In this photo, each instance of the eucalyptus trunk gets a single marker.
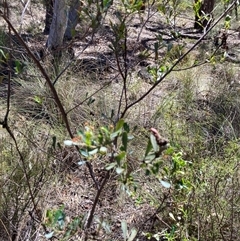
(58, 25)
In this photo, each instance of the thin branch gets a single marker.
(125, 68)
(146, 21)
(90, 218)
(123, 72)
(24, 10)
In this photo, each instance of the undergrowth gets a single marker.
(105, 159)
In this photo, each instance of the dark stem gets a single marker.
(91, 215)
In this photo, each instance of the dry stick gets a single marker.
(5, 125)
(125, 68)
(178, 61)
(52, 88)
(145, 22)
(6, 230)
(123, 74)
(24, 10)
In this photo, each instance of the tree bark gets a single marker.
(72, 14)
(58, 25)
(202, 17)
(73, 17)
(48, 15)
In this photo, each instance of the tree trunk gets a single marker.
(48, 15)
(203, 15)
(58, 25)
(73, 17)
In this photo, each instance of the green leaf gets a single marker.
(104, 135)
(106, 4)
(18, 66)
(126, 127)
(119, 125)
(149, 158)
(228, 18)
(163, 69)
(81, 163)
(88, 137)
(115, 134)
(120, 156)
(3, 54)
(124, 141)
(149, 148)
(54, 139)
(103, 150)
(111, 166)
(170, 151)
(93, 152)
(172, 216)
(49, 216)
(124, 229)
(155, 168)
(68, 142)
(59, 217)
(154, 143)
(38, 99)
(90, 101)
(106, 227)
(130, 137)
(84, 153)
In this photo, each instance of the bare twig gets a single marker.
(24, 10)
(90, 218)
